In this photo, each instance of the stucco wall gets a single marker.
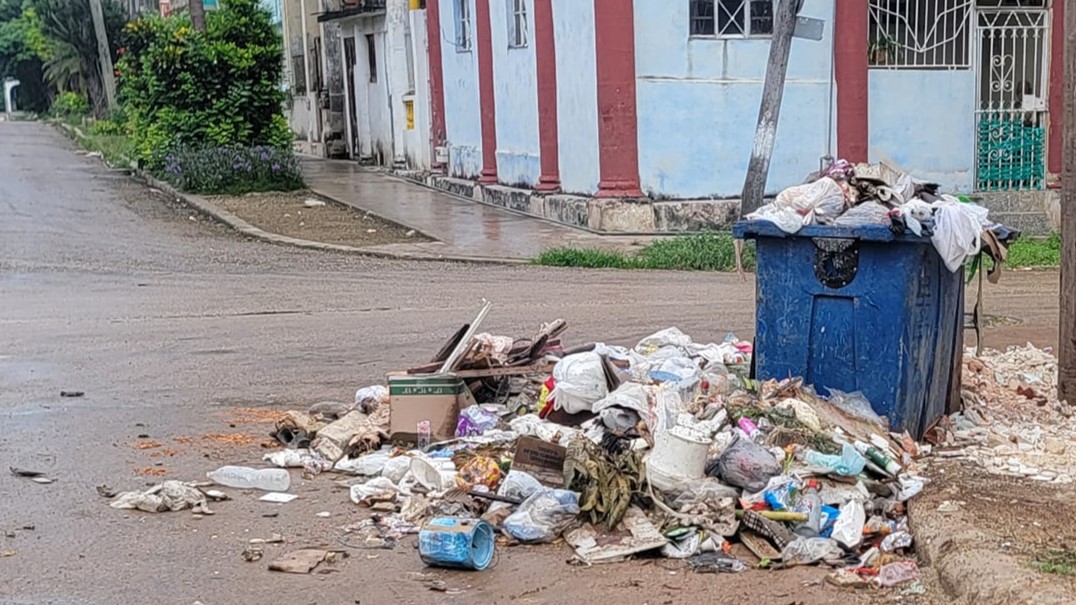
(417, 144)
(923, 121)
(463, 123)
(515, 88)
(698, 101)
(577, 96)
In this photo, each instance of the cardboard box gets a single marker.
(434, 398)
(544, 461)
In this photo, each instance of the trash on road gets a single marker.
(241, 477)
(164, 497)
(305, 560)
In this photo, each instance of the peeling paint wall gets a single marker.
(463, 122)
(923, 121)
(577, 95)
(698, 101)
(516, 92)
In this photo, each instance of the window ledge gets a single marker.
(730, 37)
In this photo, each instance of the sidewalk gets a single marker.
(463, 228)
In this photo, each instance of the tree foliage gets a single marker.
(183, 87)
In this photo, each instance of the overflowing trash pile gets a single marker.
(665, 449)
(877, 194)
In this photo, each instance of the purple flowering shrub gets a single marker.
(232, 170)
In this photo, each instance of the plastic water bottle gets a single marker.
(242, 477)
(814, 516)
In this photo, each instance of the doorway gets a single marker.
(352, 110)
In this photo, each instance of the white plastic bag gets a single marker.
(958, 231)
(368, 465)
(669, 336)
(519, 485)
(543, 516)
(396, 468)
(368, 398)
(867, 213)
(848, 530)
(580, 382)
(822, 200)
(786, 219)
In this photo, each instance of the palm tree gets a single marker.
(74, 65)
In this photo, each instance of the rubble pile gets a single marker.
(1012, 423)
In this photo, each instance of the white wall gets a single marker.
(417, 141)
(463, 121)
(923, 121)
(577, 95)
(515, 90)
(698, 101)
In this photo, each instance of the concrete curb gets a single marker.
(211, 210)
(956, 549)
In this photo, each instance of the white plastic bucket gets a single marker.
(676, 458)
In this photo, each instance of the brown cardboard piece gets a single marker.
(437, 399)
(542, 460)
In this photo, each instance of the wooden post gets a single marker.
(198, 15)
(1066, 379)
(758, 169)
(104, 52)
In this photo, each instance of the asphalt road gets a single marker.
(168, 322)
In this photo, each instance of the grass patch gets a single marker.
(707, 251)
(1035, 252)
(117, 149)
(1059, 562)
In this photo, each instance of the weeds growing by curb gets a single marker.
(706, 251)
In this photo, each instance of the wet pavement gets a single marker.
(168, 322)
(463, 228)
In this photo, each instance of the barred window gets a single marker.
(463, 25)
(920, 34)
(517, 23)
(732, 18)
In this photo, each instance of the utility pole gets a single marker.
(104, 51)
(784, 24)
(197, 15)
(1066, 379)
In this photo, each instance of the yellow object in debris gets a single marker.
(410, 107)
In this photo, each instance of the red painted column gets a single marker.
(485, 92)
(1057, 88)
(546, 58)
(853, 80)
(437, 77)
(618, 137)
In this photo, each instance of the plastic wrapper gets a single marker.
(849, 464)
(855, 404)
(580, 382)
(475, 420)
(867, 213)
(368, 398)
(896, 541)
(786, 219)
(368, 465)
(897, 572)
(747, 465)
(543, 516)
(519, 485)
(378, 489)
(396, 468)
(480, 470)
(664, 338)
(848, 530)
(807, 551)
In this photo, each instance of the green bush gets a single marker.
(70, 106)
(217, 88)
(705, 251)
(107, 128)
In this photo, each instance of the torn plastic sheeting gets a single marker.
(806, 551)
(367, 465)
(378, 489)
(957, 233)
(543, 516)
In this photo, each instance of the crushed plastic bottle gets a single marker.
(242, 477)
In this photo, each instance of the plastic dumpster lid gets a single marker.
(875, 233)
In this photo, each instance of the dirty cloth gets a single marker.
(168, 496)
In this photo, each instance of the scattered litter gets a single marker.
(72, 393)
(313, 203)
(241, 477)
(305, 560)
(324, 514)
(278, 497)
(168, 496)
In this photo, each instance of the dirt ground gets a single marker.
(331, 223)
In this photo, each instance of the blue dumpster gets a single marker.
(860, 309)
